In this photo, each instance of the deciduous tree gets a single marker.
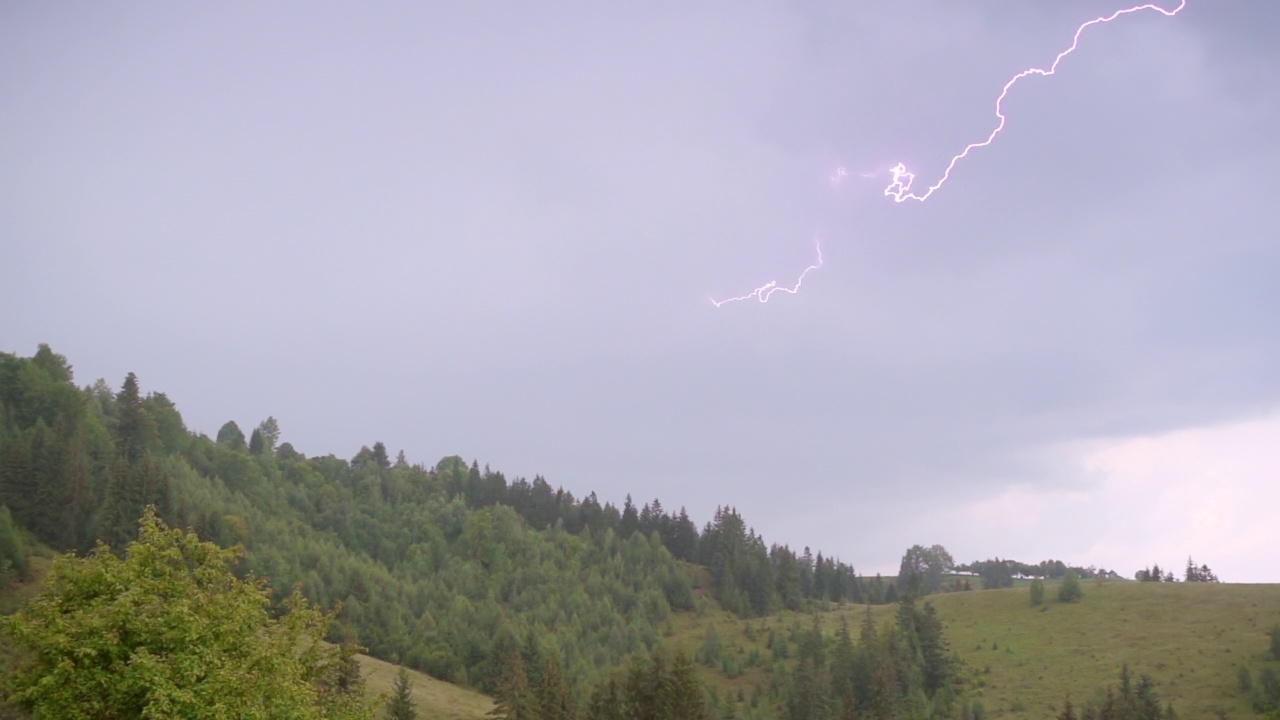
(168, 631)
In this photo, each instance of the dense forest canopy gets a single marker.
(446, 568)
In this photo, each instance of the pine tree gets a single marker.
(257, 443)
(630, 519)
(401, 705)
(711, 646)
(17, 477)
(687, 700)
(934, 652)
(514, 700)
(843, 671)
(555, 698)
(135, 480)
(606, 702)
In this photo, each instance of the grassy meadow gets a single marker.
(1190, 638)
(1023, 661)
(434, 698)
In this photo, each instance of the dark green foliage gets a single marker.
(1154, 574)
(808, 697)
(995, 573)
(928, 564)
(14, 553)
(169, 631)
(555, 697)
(449, 569)
(891, 595)
(1267, 690)
(231, 436)
(606, 702)
(1070, 590)
(1126, 701)
(136, 479)
(711, 646)
(1264, 692)
(1037, 591)
(1274, 635)
(1198, 574)
(401, 705)
(45, 444)
(1053, 569)
(514, 699)
(656, 688)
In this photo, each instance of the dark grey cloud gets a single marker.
(494, 231)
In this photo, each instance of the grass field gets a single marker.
(1023, 661)
(1190, 638)
(434, 698)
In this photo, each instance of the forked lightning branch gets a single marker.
(902, 180)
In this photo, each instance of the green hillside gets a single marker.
(1190, 637)
(512, 589)
(434, 698)
(1021, 661)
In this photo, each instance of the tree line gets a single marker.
(1193, 573)
(442, 568)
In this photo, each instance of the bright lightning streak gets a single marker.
(763, 292)
(900, 188)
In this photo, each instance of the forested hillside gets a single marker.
(557, 607)
(449, 568)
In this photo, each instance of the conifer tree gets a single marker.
(555, 698)
(606, 702)
(514, 699)
(687, 700)
(135, 480)
(401, 705)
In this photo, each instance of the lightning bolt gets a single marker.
(763, 292)
(900, 186)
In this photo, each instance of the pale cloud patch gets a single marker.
(1205, 492)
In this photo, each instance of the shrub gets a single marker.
(1070, 589)
(1037, 591)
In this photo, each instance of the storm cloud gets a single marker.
(493, 230)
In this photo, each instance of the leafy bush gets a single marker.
(1070, 590)
(1037, 591)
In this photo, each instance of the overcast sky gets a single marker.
(494, 229)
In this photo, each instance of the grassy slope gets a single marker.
(434, 698)
(1190, 638)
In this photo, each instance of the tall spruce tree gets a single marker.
(555, 697)
(135, 481)
(688, 701)
(514, 699)
(401, 705)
